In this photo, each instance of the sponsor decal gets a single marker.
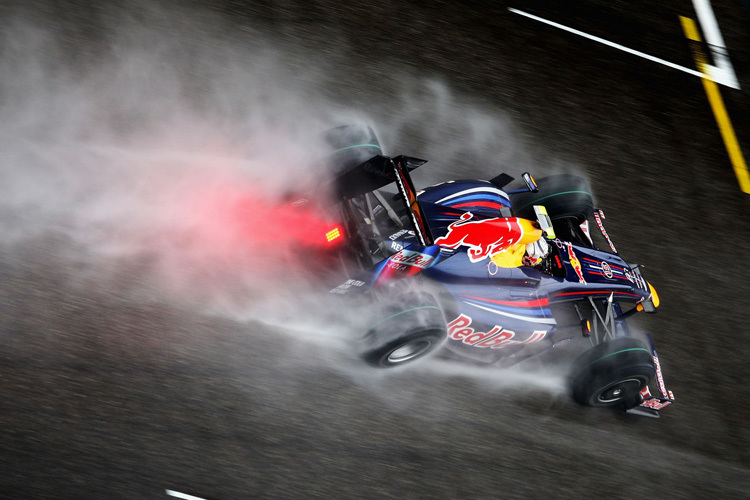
(597, 214)
(396, 246)
(483, 237)
(460, 329)
(607, 270)
(344, 287)
(405, 263)
(410, 258)
(576, 264)
(636, 279)
(655, 403)
(660, 379)
(397, 235)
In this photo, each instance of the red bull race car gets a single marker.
(472, 269)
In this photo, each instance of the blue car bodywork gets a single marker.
(492, 312)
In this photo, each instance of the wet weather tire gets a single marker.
(411, 326)
(565, 196)
(612, 374)
(351, 145)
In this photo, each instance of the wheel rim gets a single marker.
(617, 391)
(408, 351)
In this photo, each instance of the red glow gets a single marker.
(241, 217)
(280, 223)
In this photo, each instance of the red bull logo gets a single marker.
(460, 329)
(405, 263)
(411, 258)
(484, 237)
(575, 263)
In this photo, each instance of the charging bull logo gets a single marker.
(484, 237)
(576, 264)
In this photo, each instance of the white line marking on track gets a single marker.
(717, 106)
(184, 496)
(724, 72)
(612, 44)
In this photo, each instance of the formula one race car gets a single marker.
(489, 274)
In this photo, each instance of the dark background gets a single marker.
(105, 397)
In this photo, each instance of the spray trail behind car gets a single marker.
(136, 173)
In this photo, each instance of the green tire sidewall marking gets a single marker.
(614, 353)
(358, 146)
(403, 312)
(536, 201)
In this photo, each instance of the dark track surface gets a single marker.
(103, 395)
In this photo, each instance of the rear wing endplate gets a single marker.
(379, 171)
(406, 188)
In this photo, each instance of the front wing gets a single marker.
(651, 404)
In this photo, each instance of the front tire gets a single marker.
(565, 196)
(612, 374)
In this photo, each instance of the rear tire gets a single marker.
(350, 146)
(411, 327)
(612, 374)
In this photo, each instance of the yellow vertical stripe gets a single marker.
(717, 105)
(690, 29)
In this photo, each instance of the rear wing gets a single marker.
(380, 171)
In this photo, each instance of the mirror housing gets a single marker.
(530, 182)
(527, 178)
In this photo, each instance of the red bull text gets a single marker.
(460, 329)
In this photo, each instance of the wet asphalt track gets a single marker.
(106, 397)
